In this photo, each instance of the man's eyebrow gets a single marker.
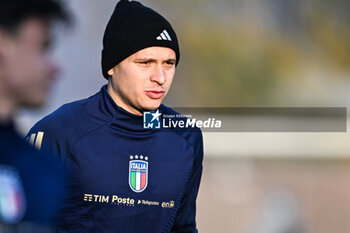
(150, 59)
(145, 59)
(170, 59)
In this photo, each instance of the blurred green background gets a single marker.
(259, 53)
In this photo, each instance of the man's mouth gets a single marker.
(155, 94)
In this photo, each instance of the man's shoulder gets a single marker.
(70, 120)
(192, 135)
(66, 115)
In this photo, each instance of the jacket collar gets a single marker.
(121, 118)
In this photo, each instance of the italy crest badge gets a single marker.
(138, 173)
(12, 198)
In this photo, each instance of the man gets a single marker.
(31, 184)
(127, 178)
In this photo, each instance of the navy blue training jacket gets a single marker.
(125, 179)
(32, 185)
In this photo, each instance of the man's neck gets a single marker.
(120, 103)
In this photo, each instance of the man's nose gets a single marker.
(158, 75)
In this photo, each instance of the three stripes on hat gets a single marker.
(164, 36)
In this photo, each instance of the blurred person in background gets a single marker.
(31, 183)
(127, 177)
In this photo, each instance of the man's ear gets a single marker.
(111, 72)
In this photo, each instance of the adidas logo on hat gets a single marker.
(164, 36)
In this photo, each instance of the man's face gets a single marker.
(141, 81)
(26, 70)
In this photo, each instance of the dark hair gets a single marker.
(14, 12)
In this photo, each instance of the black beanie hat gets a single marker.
(133, 27)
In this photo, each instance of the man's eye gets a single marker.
(170, 63)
